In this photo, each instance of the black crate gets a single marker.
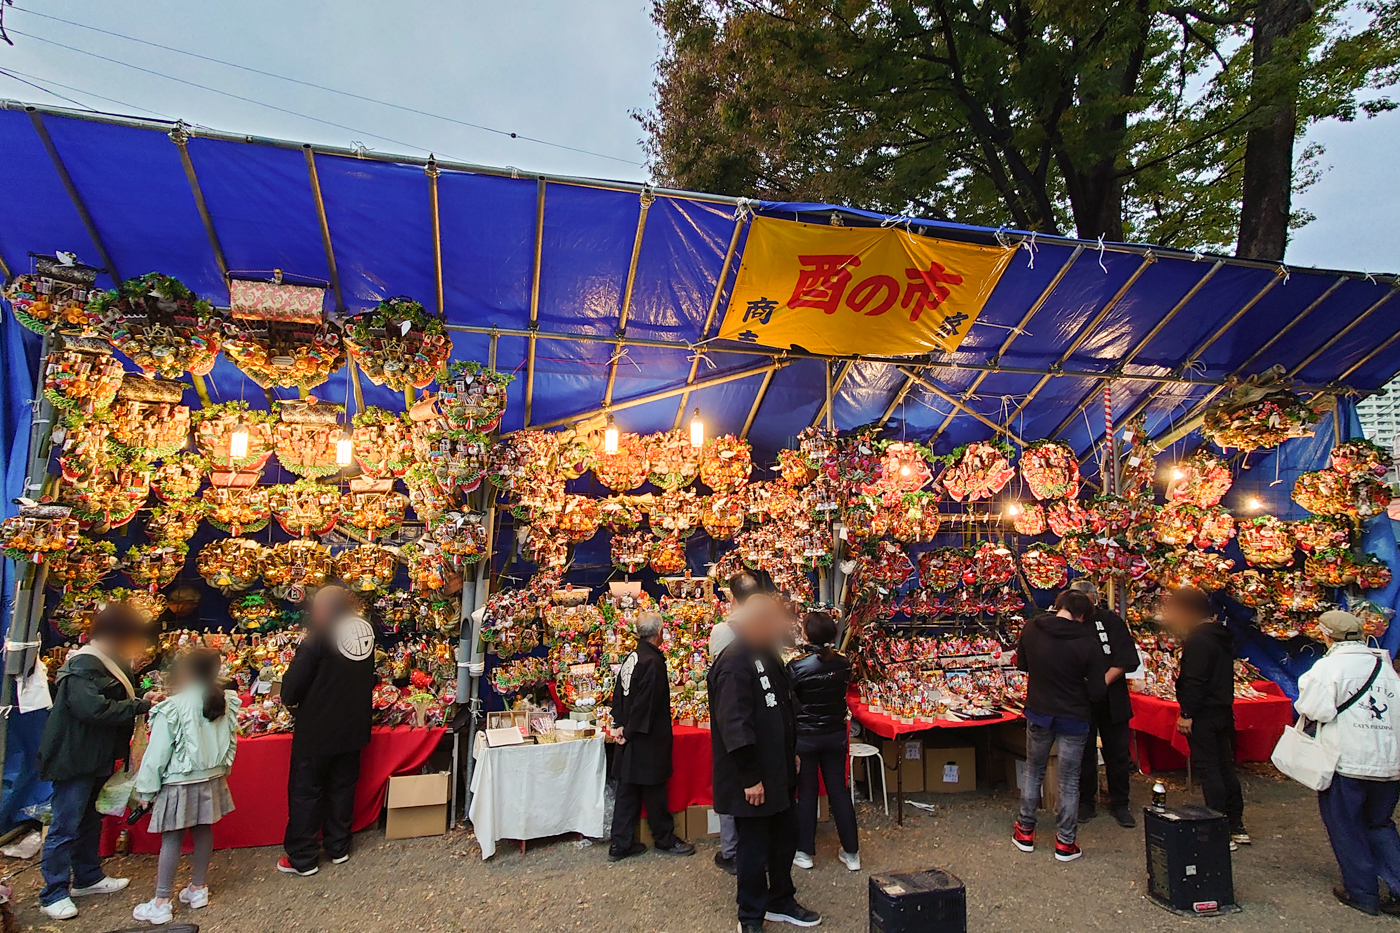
(932, 901)
(1188, 860)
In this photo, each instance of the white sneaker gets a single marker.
(60, 910)
(341, 860)
(152, 912)
(195, 897)
(850, 859)
(802, 860)
(105, 886)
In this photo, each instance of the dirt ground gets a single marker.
(440, 884)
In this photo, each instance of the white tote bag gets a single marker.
(1311, 760)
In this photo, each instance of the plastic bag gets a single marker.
(115, 795)
(34, 690)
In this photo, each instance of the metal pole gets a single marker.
(832, 388)
(963, 408)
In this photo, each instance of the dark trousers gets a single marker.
(1359, 816)
(627, 810)
(1212, 742)
(320, 807)
(70, 850)
(764, 863)
(1117, 761)
(827, 754)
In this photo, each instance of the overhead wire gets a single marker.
(214, 90)
(12, 72)
(14, 76)
(327, 89)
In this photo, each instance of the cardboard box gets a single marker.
(1049, 789)
(417, 805)
(701, 821)
(823, 809)
(644, 828)
(911, 768)
(950, 770)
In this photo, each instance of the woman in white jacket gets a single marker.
(1355, 692)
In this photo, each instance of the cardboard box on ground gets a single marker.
(417, 805)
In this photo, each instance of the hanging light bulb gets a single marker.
(904, 470)
(1255, 504)
(1177, 473)
(697, 430)
(610, 437)
(238, 442)
(344, 449)
(1013, 509)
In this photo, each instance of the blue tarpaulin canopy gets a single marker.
(596, 291)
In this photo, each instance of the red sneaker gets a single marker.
(1067, 851)
(1022, 838)
(285, 866)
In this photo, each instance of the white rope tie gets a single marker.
(1030, 248)
(1101, 265)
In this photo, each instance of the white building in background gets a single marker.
(1380, 417)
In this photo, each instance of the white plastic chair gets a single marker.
(861, 750)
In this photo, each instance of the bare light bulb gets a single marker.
(1177, 473)
(1013, 509)
(697, 430)
(1254, 504)
(610, 437)
(904, 470)
(344, 450)
(238, 442)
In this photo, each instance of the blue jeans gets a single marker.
(70, 851)
(1359, 816)
(1039, 741)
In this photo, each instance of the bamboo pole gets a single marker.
(324, 222)
(74, 196)
(739, 222)
(626, 310)
(530, 335)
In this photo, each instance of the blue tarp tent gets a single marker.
(591, 290)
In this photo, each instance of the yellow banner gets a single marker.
(876, 291)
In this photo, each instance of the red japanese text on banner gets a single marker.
(858, 290)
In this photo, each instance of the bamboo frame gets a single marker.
(333, 272)
(1138, 348)
(534, 302)
(181, 139)
(776, 364)
(757, 401)
(1370, 356)
(833, 389)
(432, 171)
(1084, 333)
(626, 309)
(1344, 331)
(850, 217)
(79, 205)
(1010, 337)
(1151, 395)
(930, 387)
(714, 309)
(5, 274)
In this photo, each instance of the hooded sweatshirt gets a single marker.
(1065, 668)
(1205, 681)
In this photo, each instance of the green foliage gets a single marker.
(1125, 118)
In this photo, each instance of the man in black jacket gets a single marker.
(753, 741)
(641, 711)
(329, 687)
(1109, 716)
(1061, 655)
(1205, 690)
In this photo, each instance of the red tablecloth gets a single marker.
(890, 728)
(258, 783)
(1258, 724)
(692, 769)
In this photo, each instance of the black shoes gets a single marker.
(1124, 816)
(1087, 813)
(752, 926)
(635, 848)
(795, 914)
(679, 847)
(1349, 899)
(726, 863)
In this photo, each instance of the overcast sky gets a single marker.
(567, 72)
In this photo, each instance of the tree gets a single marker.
(1127, 119)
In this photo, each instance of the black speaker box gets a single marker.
(1188, 860)
(932, 901)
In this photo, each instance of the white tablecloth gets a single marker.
(534, 791)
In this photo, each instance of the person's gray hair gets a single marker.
(648, 625)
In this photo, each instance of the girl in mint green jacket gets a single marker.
(183, 776)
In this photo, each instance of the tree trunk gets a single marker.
(1268, 154)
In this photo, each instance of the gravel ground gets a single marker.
(440, 884)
